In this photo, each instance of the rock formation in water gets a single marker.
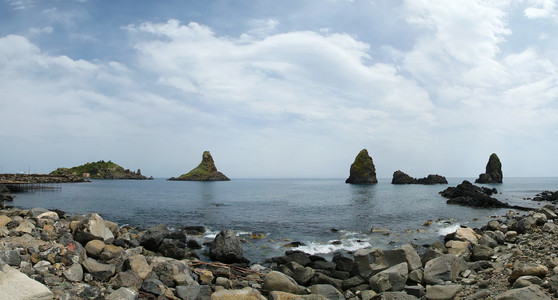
(469, 194)
(100, 170)
(493, 172)
(400, 177)
(205, 171)
(362, 170)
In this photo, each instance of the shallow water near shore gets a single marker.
(326, 215)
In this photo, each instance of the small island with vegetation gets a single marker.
(101, 170)
(205, 171)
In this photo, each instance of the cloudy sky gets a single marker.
(280, 88)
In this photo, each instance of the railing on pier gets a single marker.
(19, 187)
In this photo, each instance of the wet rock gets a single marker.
(470, 195)
(227, 248)
(153, 236)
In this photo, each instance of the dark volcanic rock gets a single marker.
(227, 248)
(469, 194)
(362, 170)
(546, 196)
(493, 172)
(400, 177)
(205, 171)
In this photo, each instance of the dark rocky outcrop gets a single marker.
(363, 169)
(400, 177)
(205, 171)
(493, 172)
(227, 248)
(469, 194)
(546, 196)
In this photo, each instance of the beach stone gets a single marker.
(302, 275)
(343, 263)
(510, 236)
(153, 236)
(524, 281)
(74, 273)
(197, 292)
(153, 286)
(327, 290)
(442, 292)
(321, 278)
(528, 269)
(467, 234)
(138, 264)
(532, 292)
(98, 270)
(540, 218)
(550, 227)
(126, 279)
(94, 248)
(482, 252)
(4, 220)
(172, 272)
(205, 276)
(415, 290)
(392, 279)
(11, 257)
(246, 293)
(48, 214)
(227, 248)
(15, 285)
(353, 282)
(416, 275)
(393, 296)
(443, 268)
(224, 282)
(493, 225)
(367, 294)
(36, 211)
(111, 251)
(92, 228)
(488, 241)
(172, 248)
(412, 257)
(277, 281)
(25, 226)
(123, 294)
(551, 215)
(299, 257)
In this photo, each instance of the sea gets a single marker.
(317, 216)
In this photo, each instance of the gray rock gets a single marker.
(442, 292)
(412, 257)
(98, 270)
(482, 252)
(303, 275)
(443, 268)
(393, 296)
(11, 257)
(92, 228)
(153, 236)
(343, 263)
(276, 281)
(320, 278)
(126, 279)
(17, 286)
(138, 264)
(199, 292)
(488, 241)
(152, 285)
(123, 294)
(415, 290)
(173, 272)
(245, 293)
(532, 292)
(392, 279)
(226, 248)
(527, 280)
(327, 290)
(74, 273)
(353, 282)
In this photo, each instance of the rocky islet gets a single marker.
(400, 177)
(205, 171)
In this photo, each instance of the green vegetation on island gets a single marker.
(101, 170)
(205, 171)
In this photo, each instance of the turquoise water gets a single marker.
(304, 210)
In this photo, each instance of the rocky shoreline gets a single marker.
(83, 256)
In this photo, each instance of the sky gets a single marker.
(280, 89)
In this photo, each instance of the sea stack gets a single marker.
(205, 171)
(493, 171)
(362, 170)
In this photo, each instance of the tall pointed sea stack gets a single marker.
(493, 171)
(205, 171)
(362, 170)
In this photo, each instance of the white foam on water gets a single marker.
(448, 229)
(326, 248)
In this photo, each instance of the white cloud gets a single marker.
(541, 9)
(21, 4)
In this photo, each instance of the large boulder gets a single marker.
(153, 236)
(443, 268)
(392, 279)
(529, 292)
(98, 270)
(205, 171)
(227, 248)
(493, 172)
(92, 228)
(15, 285)
(277, 281)
(363, 169)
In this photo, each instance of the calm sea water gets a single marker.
(303, 210)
